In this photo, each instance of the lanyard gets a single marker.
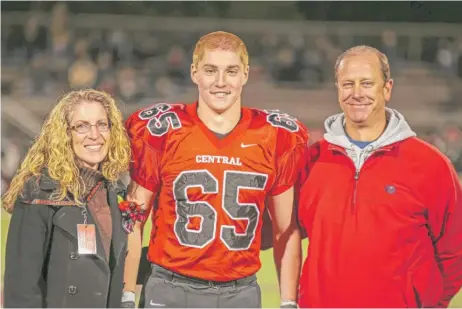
(87, 199)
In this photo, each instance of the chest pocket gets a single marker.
(392, 198)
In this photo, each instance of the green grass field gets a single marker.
(266, 276)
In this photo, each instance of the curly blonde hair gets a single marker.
(52, 149)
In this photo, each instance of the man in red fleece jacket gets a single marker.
(382, 208)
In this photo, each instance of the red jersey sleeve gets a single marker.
(146, 153)
(291, 153)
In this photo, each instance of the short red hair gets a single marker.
(220, 40)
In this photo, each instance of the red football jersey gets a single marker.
(211, 191)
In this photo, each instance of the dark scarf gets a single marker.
(98, 205)
(90, 178)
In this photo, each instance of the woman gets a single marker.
(66, 246)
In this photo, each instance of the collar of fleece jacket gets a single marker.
(397, 130)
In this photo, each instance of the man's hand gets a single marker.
(128, 300)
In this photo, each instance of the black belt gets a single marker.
(161, 272)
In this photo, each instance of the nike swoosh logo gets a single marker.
(156, 304)
(247, 145)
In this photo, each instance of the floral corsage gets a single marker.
(131, 212)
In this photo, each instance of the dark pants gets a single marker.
(166, 289)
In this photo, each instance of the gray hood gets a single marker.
(397, 130)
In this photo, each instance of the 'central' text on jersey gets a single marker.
(218, 159)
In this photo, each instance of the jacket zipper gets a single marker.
(355, 186)
(356, 178)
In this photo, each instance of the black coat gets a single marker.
(62, 279)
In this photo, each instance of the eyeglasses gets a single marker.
(83, 128)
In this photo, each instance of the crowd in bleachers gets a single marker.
(151, 63)
(43, 58)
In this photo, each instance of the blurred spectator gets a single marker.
(108, 84)
(61, 51)
(165, 87)
(390, 48)
(389, 44)
(329, 52)
(286, 68)
(120, 45)
(60, 15)
(269, 43)
(145, 46)
(35, 37)
(11, 157)
(446, 57)
(106, 77)
(104, 63)
(81, 48)
(313, 63)
(82, 73)
(39, 74)
(459, 58)
(96, 42)
(11, 41)
(177, 64)
(127, 85)
(60, 42)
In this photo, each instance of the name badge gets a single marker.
(86, 235)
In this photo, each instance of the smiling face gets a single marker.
(90, 132)
(362, 90)
(220, 76)
(220, 69)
